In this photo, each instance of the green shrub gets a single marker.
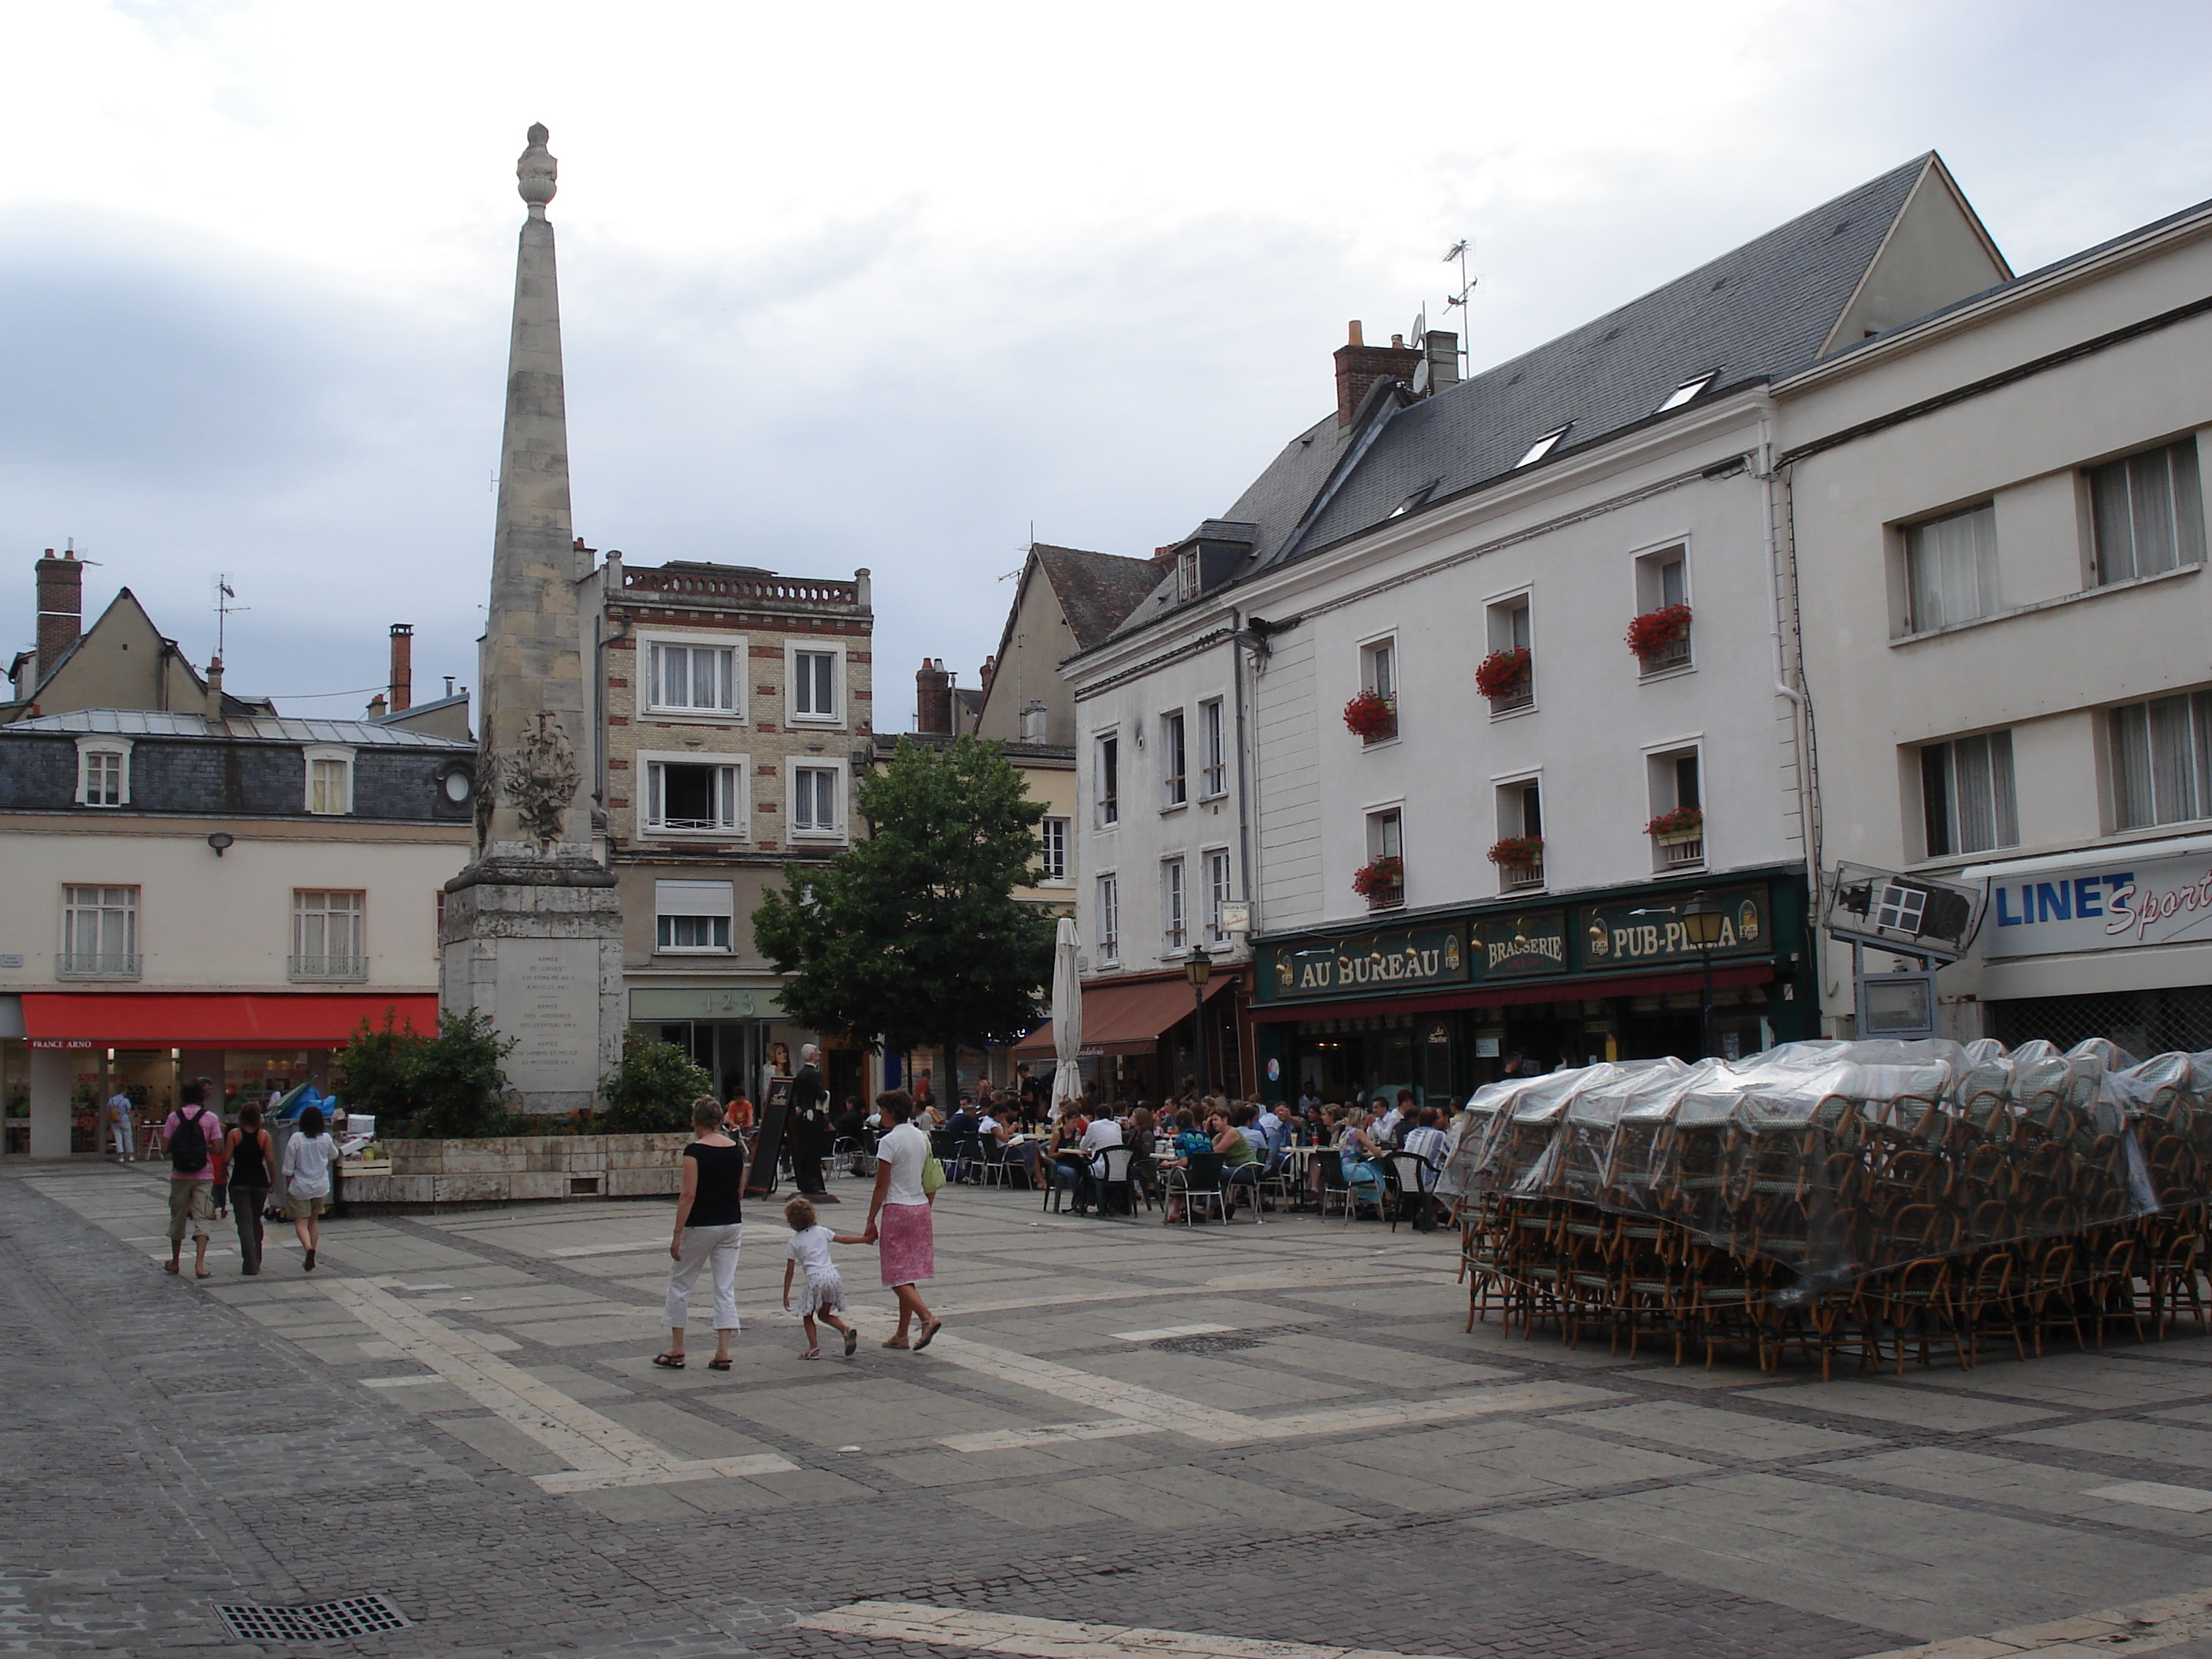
(378, 1071)
(651, 1090)
(458, 1089)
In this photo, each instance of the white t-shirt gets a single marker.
(811, 1250)
(903, 1152)
(1103, 1132)
(308, 1165)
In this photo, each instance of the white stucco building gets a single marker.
(1526, 854)
(1999, 521)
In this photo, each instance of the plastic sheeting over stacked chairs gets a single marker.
(1892, 1200)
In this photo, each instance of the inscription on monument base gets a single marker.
(548, 1002)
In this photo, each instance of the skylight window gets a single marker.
(1689, 389)
(1412, 501)
(1541, 447)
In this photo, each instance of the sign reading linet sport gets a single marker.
(1394, 960)
(1626, 936)
(2111, 907)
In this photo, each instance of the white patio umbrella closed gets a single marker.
(1066, 1017)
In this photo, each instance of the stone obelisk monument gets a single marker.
(533, 927)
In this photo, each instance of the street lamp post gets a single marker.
(1703, 922)
(1199, 968)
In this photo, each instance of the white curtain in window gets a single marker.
(1951, 566)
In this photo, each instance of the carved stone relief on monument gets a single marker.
(540, 780)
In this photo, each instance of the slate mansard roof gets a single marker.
(1754, 315)
(265, 728)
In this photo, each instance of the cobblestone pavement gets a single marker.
(1209, 1440)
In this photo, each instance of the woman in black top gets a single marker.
(707, 1226)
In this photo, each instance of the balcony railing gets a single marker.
(1512, 701)
(1518, 877)
(1676, 852)
(1676, 655)
(96, 964)
(329, 968)
(732, 589)
(1387, 895)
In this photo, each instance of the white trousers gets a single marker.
(123, 1149)
(699, 1246)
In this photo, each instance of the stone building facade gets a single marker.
(735, 707)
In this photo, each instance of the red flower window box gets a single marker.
(1655, 633)
(1382, 878)
(1371, 717)
(1505, 674)
(1682, 821)
(1517, 852)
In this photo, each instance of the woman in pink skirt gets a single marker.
(898, 1217)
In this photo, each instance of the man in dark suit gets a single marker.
(812, 1134)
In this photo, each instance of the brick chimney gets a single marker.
(214, 688)
(403, 666)
(61, 607)
(1359, 364)
(983, 676)
(933, 699)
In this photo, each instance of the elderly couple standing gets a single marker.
(709, 1223)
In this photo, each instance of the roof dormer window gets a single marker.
(1689, 389)
(1542, 446)
(1185, 574)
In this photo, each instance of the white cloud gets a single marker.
(880, 285)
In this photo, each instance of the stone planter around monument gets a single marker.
(429, 1175)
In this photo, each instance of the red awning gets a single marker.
(1125, 1019)
(1636, 985)
(189, 1019)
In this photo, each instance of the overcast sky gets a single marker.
(885, 285)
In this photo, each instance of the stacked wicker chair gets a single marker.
(1884, 1201)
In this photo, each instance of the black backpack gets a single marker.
(188, 1147)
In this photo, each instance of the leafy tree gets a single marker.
(914, 936)
(651, 1090)
(460, 1093)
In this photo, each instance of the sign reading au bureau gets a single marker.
(1394, 960)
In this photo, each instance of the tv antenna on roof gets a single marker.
(224, 596)
(1457, 251)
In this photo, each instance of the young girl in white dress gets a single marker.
(823, 1294)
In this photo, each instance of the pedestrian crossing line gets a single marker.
(1154, 1412)
(711, 1468)
(1057, 1638)
(1044, 1434)
(586, 1441)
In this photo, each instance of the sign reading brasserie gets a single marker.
(1618, 936)
(1522, 944)
(1391, 960)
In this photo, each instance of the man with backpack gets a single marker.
(192, 1133)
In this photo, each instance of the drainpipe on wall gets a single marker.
(1776, 500)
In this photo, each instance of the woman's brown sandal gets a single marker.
(669, 1362)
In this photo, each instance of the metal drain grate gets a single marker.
(321, 1621)
(1205, 1344)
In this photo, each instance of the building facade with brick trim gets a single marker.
(734, 707)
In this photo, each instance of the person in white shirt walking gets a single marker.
(308, 1156)
(899, 1218)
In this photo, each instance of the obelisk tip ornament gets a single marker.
(536, 171)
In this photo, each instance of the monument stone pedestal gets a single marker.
(536, 945)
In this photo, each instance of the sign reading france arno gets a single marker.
(1395, 960)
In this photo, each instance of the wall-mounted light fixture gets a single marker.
(219, 841)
